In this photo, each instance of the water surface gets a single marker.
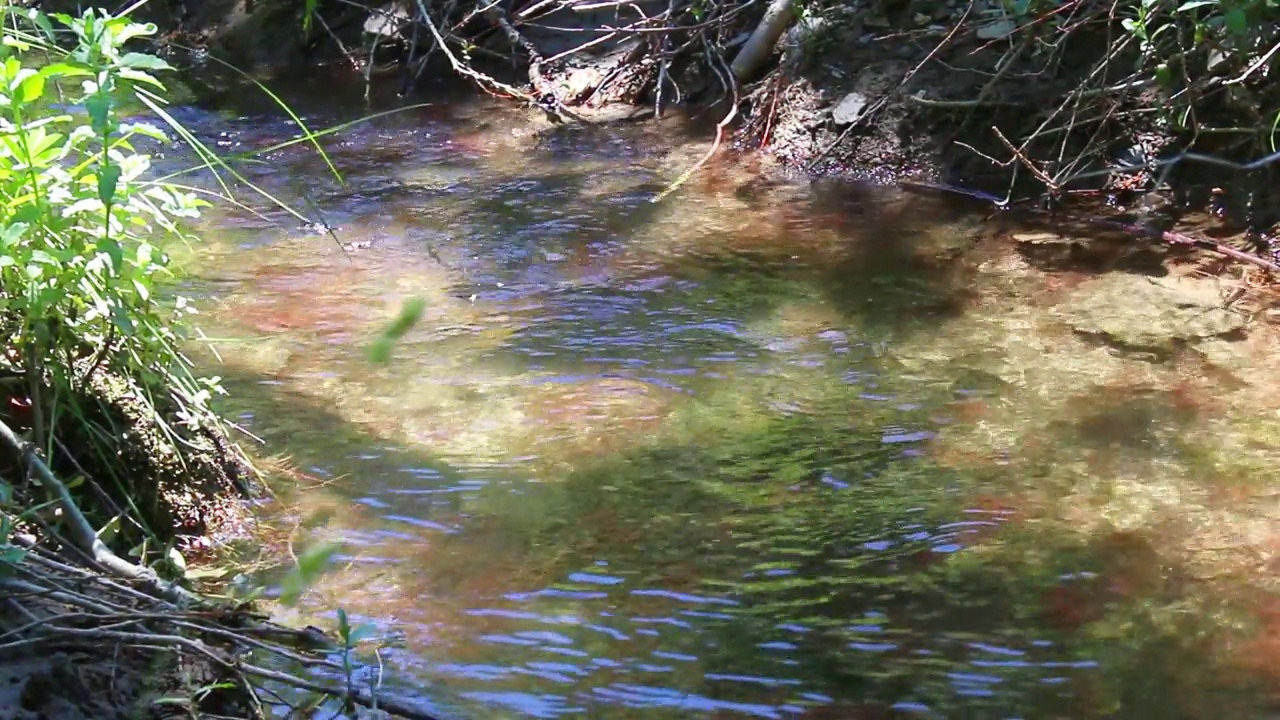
(751, 452)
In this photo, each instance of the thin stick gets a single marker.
(1040, 174)
(715, 146)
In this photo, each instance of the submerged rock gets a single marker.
(1155, 314)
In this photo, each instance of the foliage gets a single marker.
(80, 257)
(410, 314)
(1188, 47)
(83, 233)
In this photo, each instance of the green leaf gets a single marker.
(11, 555)
(143, 292)
(145, 130)
(205, 573)
(108, 179)
(175, 558)
(143, 61)
(139, 76)
(344, 627)
(360, 633)
(113, 251)
(31, 89)
(98, 106)
(120, 318)
(311, 563)
(309, 10)
(58, 70)
(123, 30)
(1236, 21)
(12, 42)
(110, 530)
(41, 21)
(410, 313)
(13, 234)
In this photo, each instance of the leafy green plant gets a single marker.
(80, 222)
(309, 566)
(350, 637)
(10, 554)
(83, 230)
(1168, 31)
(1188, 46)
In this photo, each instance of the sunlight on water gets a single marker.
(760, 452)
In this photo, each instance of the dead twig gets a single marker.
(719, 139)
(1036, 171)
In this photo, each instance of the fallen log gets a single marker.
(777, 18)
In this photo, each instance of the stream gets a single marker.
(754, 451)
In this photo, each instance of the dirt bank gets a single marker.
(162, 493)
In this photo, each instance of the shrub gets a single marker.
(82, 228)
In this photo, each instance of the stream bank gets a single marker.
(121, 487)
(1028, 100)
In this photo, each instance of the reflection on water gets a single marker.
(801, 452)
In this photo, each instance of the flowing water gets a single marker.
(777, 452)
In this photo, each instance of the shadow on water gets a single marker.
(810, 565)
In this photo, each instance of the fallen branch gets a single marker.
(715, 146)
(760, 45)
(1174, 238)
(462, 68)
(1137, 230)
(87, 539)
(64, 597)
(166, 640)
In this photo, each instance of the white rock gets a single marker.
(850, 109)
